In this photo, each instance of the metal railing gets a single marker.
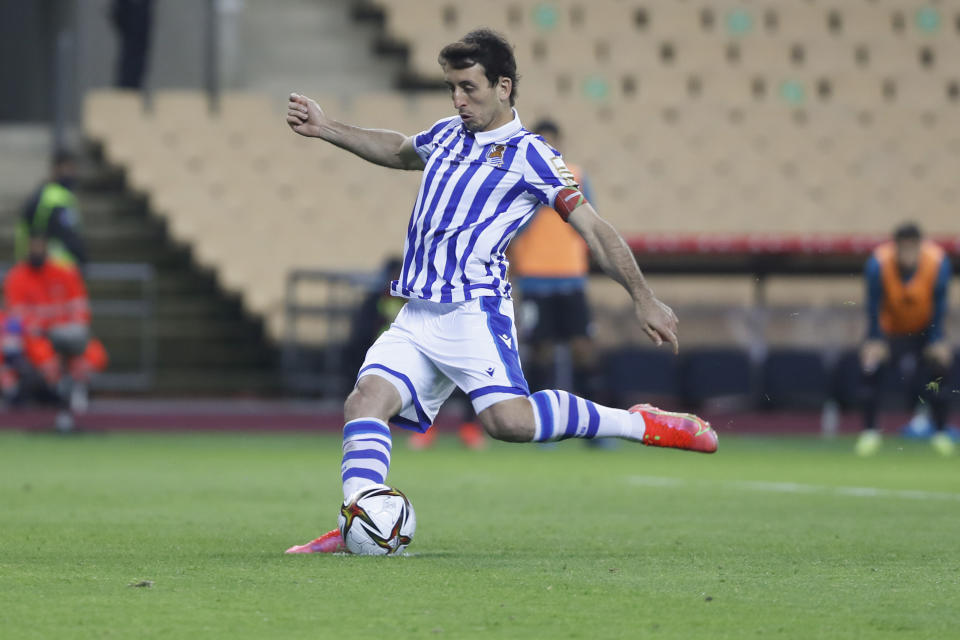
(320, 369)
(142, 310)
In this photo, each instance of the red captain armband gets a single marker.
(568, 199)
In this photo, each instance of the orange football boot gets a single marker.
(676, 430)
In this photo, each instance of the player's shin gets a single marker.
(366, 454)
(560, 415)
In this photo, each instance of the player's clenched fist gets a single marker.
(304, 115)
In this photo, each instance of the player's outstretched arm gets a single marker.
(379, 146)
(615, 258)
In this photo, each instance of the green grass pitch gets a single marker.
(782, 538)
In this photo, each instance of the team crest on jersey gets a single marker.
(495, 155)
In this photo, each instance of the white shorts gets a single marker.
(433, 347)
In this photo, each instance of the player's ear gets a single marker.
(504, 87)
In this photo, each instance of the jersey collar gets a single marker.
(500, 133)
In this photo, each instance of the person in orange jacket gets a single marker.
(49, 302)
(907, 280)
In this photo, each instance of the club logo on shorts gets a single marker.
(495, 155)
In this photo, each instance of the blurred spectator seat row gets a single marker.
(254, 200)
(604, 49)
(728, 378)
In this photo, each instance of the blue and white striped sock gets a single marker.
(560, 415)
(366, 454)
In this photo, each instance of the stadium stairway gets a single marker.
(206, 343)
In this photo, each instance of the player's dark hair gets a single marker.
(490, 50)
(907, 231)
(546, 126)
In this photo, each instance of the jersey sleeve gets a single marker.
(12, 291)
(547, 177)
(77, 305)
(17, 300)
(425, 142)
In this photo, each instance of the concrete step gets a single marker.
(166, 285)
(214, 381)
(296, 44)
(182, 352)
(171, 329)
(205, 341)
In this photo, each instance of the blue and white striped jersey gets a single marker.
(477, 190)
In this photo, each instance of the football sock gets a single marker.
(366, 454)
(560, 415)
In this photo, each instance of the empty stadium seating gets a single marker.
(721, 117)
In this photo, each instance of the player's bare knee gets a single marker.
(510, 421)
(373, 397)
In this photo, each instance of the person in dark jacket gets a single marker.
(52, 212)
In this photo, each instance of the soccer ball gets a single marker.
(377, 521)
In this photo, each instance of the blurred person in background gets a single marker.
(132, 20)
(52, 212)
(375, 314)
(11, 358)
(549, 263)
(907, 280)
(48, 302)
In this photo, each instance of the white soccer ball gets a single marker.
(377, 521)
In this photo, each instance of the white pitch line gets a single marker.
(799, 488)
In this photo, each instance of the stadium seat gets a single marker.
(108, 113)
(718, 377)
(723, 117)
(637, 374)
(794, 379)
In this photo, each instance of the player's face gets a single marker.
(908, 254)
(481, 106)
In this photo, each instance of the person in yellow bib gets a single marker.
(52, 212)
(907, 280)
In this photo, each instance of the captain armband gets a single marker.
(568, 199)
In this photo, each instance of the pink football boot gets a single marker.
(330, 542)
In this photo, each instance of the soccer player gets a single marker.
(484, 176)
(907, 281)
